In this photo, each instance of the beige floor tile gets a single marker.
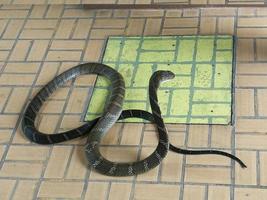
(60, 189)
(25, 190)
(156, 191)
(77, 167)
(207, 175)
(21, 170)
(120, 191)
(249, 193)
(5, 136)
(219, 192)
(6, 187)
(30, 153)
(131, 134)
(97, 191)
(247, 176)
(192, 192)
(58, 161)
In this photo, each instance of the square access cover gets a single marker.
(201, 92)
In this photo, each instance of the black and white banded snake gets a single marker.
(113, 112)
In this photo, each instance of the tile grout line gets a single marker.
(39, 182)
(187, 131)
(258, 168)
(88, 171)
(232, 172)
(2, 70)
(139, 150)
(14, 190)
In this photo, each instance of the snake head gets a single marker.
(164, 75)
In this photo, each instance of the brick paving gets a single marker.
(137, 2)
(39, 42)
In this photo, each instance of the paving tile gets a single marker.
(6, 187)
(8, 121)
(96, 191)
(263, 164)
(67, 45)
(38, 50)
(152, 27)
(41, 23)
(13, 105)
(82, 29)
(38, 11)
(247, 176)
(249, 193)
(251, 68)
(251, 141)
(215, 160)
(226, 25)
(17, 79)
(76, 12)
(244, 102)
(208, 25)
(25, 189)
(58, 161)
(261, 49)
(252, 22)
(207, 175)
(36, 34)
(157, 191)
(21, 170)
(192, 191)
(30, 153)
(248, 32)
(246, 11)
(21, 67)
(52, 106)
(20, 51)
(131, 134)
(47, 123)
(5, 136)
(4, 93)
(60, 189)
(250, 125)
(2, 150)
(120, 191)
(146, 13)
(77, 100)
(198, 136)
(77, 167)
(221, 136)
(135, 27)
(63, 56)
(172, 167)
(93, 50)
(109, 23)
(218, 192)
(245, 50)
(255, 81)
(64, 29)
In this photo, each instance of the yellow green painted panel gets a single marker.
(201, 92)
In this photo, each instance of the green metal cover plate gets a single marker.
(200, 93)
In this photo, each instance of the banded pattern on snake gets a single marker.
(97, 128)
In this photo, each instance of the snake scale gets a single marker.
(113, 112)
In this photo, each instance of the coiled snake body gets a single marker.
(97, 128)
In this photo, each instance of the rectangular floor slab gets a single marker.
(200, 93)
